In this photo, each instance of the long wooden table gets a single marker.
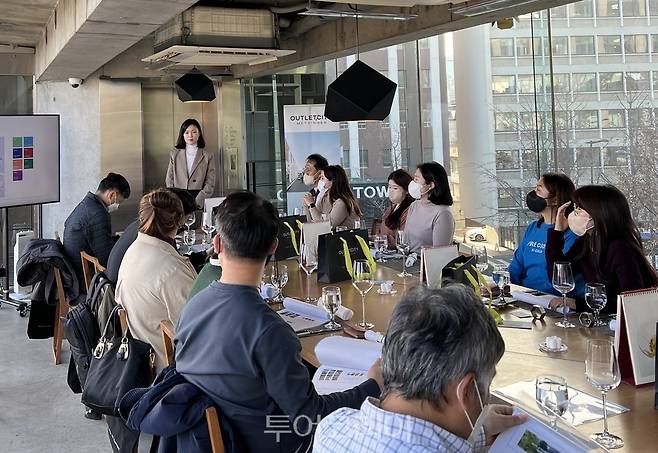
(522, 359)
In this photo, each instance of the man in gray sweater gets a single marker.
(242, 354)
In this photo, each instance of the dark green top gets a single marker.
(208, 274)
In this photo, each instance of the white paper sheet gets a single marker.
(344, 352)
(331, 379)
(301, 316)
(533, 435)
(583, 407)
(532, 299)
(345, 363)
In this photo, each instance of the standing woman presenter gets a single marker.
(191, 166)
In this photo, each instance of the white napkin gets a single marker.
(542, 300)
(343, 313)
(371, 335)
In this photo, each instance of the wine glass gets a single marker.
(403, 247)
(362, 281)
(279, 278)
(308, 263)
(381, 243)
(207, 227)
(357, 224)
(501, 278)
(189, 221)
(552, 396)
(481, 258)
(189, 238)
(596, 298)
(331, 301)
(563, 282)
(602, 371)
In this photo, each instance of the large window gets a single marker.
(607, 8)
(505, 121)
(634, 8)
(611, 81)
(584, 82)
(507, 159)
(502, 47)
(612, 119)
(586, 119)
(527, 84)
(582, 9)
(524, 47)
(560, 46)
(636, 44)
(638, 81)
(582, 45)
(501, 84)
(610, 44)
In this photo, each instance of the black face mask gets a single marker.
(535, 202)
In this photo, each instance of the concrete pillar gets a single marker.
(475, 125)
(80, 154)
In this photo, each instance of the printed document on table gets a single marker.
(345, 363)
(301, 315)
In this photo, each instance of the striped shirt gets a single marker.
(372, 429)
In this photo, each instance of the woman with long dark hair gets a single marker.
(528, 266)
(429, 220)
(339, 200)
(191, 166)
(395, 215)
(609, 249)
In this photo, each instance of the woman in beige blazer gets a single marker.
(338, 203)
(191, 166)
(154, 279)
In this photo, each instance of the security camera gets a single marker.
(75, 82)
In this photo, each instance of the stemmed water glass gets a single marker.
(189, 221)
(207, 227)
(403, 247)
(279, 279)
(602, 371)
(308, 263)
(331, 302)
(552, 396)
(596, 298)
(563, 282)
(501, 278)
(362, 281)
(381, 243)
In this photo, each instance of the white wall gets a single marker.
(80, 157)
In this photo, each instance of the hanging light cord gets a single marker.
(356, 17)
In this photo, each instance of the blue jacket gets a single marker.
(528, 267)
(174, 410)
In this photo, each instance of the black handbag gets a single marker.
(337, 251)
(290, 233)
(118, 365)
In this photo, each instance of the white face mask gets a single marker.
(580, 224)
(309, 180)
(477, 435)
(113, 207)
(415, 190)
(321, 185)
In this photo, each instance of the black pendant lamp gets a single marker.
(195, 86)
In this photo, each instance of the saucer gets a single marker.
(544, 348)
(393, 291)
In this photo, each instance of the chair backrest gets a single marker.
(87, 261)
(167, 331)
(212, 417)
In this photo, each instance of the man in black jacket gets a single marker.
(242, 354)
(88, 228)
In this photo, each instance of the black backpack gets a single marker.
(82, 332)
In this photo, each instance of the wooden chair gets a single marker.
(87, 261)
(61, 310)
(212, 417)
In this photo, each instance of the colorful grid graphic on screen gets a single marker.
(22, 156)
